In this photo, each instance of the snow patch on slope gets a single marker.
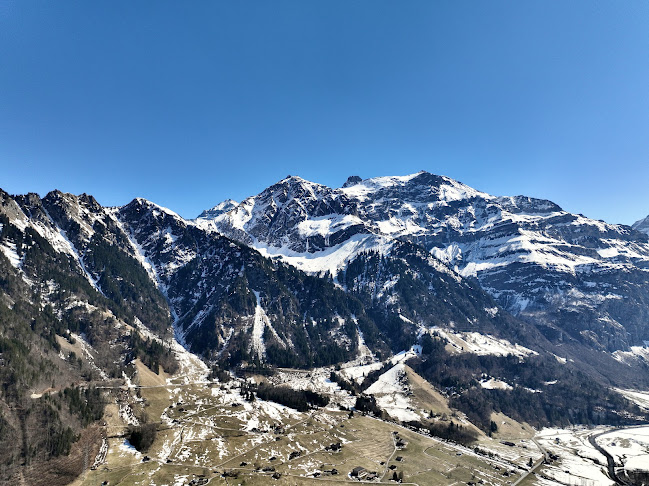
(332, 259)
(640, 398)
(495, 384)
(260, 323)
(9, 250)
(481, 344)
(390, 393)
(637, 353)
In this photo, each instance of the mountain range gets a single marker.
(303, 276)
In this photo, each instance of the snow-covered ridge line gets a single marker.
(332, 259)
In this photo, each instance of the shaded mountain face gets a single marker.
(575, 278)
(64, 238)
(234, 305)
(143, 265)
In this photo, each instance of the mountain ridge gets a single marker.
(320, 229)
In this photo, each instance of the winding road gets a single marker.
(609, 458)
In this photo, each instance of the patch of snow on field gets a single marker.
(403, 356)
(390, 394)
(180, 479)
(128, 448)
(629, 447)
(494, 384)
(579, 462)
(127, 415)
(100, 458)
(316, 380)
(358, 373)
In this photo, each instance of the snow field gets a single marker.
(579, 462)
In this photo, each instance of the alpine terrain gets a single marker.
(397, 328)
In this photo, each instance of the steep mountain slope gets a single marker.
(145, 265)
(232, 304)
(575, 278)
(70, 295)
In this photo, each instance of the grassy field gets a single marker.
(207, 432)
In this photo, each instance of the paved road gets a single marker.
(609, 458)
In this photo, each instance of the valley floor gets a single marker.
(209, 434)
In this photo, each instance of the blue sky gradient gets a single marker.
(188, 104)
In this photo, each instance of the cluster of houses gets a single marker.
(363, 474)
(399, 442)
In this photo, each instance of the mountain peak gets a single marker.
(291, 179)
(140, 202)
(642, 225)
(222, 207)
(352, 180)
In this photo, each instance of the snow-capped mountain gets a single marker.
(378, 261)
(145, 264)
(565, 272)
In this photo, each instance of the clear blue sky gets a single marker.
(190, 103)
